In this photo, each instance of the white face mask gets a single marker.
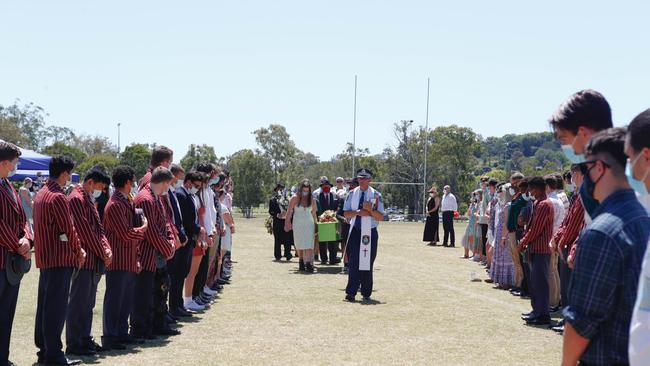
(511, 191)
(178, 184)
(97, 193)
(570, 187)
(193, 190)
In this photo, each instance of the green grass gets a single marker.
(429, 314)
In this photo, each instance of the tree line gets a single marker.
(455, 155)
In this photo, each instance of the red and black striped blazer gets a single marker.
(89, 228)
(159, 237)
(13, 222)
(540, 230)
(125, 239)
(144, 181)
(51, 219)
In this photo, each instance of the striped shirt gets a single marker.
(88, 226)
(123, 236)
(52, 219)
(573, 222)
(159, 237)
(13, 222)
(540, 229)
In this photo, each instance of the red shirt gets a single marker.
(540, 229)
(13, 222)
(159, 237)
(88, 227)
(125, 239)
(573, 222)
(51, 219)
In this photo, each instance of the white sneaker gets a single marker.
(193, 306)
(209, 291)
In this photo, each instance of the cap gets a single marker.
(364, 173)
(16, 266)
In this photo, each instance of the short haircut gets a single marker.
(575, 168)
(567, 176)
(493, 182)
(638, 131)
(159, 154)
(175, 168)
(60, 164)
(537, 182)
(551, 182)
(516, 176)
(193, 177)
(205, 167)
(8, 151)
(523, 184)
(98, 175)
(122, 174)
(161, 175)
(586, 108)
(611, 143)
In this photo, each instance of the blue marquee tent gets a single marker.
(31, 164)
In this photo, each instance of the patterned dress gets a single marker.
(303, 227)
(503, 269)
(470, 231)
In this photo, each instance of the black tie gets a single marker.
(357, 221)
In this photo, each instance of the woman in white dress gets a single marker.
(303, 210)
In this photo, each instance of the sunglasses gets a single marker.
(584, 169)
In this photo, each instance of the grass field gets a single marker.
(429, 313)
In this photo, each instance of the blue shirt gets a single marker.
(347, 206)
(602, 290)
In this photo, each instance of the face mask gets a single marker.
(637, 184)
(511, 191)
(178, 184)
(527, 196)
(571, 154)
(570, 187)
(586, 194)
(193, 190)
(97, 193)
(13, 171)
(164, 193)
(305, 194)
(326, 189)
(213, 182)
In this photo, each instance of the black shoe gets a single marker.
(367, 299)
(181, 313)
(527, 317)
(301, 266)
(62, 361)
(349, 298)
(127, 339)
(309, 268)
(445, 245)
(540, 320)
(335, 261)
(323, 263)
(81, 351)
(169, 319)
(554, 309)
(94, 346)
(558, 328)
(168, 332)
(216, 287)
(222, 281)
(277, 259)
(527, 314)
(288, 256)
(453, 246)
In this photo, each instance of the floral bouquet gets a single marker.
(328, 216)
(268, 224)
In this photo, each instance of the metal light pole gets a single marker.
(118, 138)
(354, 130)
(426, 144)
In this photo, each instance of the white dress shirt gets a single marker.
(449, 202)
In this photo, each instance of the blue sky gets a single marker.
(211, 72)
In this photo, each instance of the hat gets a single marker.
(364, 173)
(16, 266)
(340, 179)
(325, 182)
(324, 179)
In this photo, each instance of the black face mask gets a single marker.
(587, 190)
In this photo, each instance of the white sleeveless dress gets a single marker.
(303, 228)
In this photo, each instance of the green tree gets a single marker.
(60, 148)
(252, 173)
(94, 145)
(137, 156)
(196, 154)
(29, 119)
(279, 149)
(108, 162)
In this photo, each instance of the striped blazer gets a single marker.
(52, 218)
(159, 237)
(13, 222)
(89, 228)
(125, 239)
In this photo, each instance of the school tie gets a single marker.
(357, 221)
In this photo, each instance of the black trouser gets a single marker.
(484, 231)
(565, 277)
(202, 274)
(78, 326)
(142, 314)
(325, 247)
(8, 300)
(51, 309)
(177, 273)
(118, 304)
(281, 238)
(539, 288)
(525, 288)
(160, 295)
(448, 227)
(356, 278)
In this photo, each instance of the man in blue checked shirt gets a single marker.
(606, 271)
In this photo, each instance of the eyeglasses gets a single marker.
(584, 169)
